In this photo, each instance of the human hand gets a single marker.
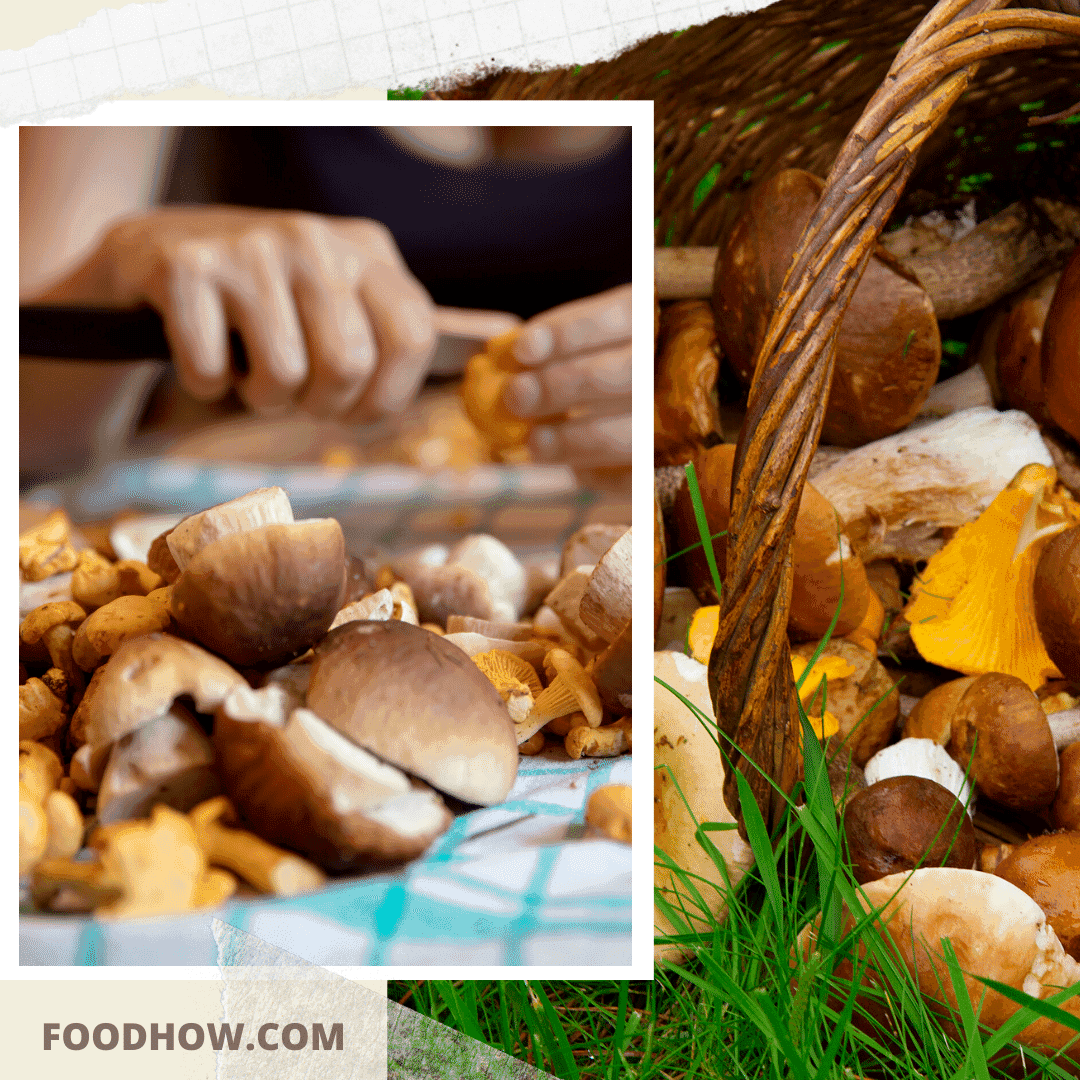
(331, 319)
(577, 385)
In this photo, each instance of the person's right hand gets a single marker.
(330, 316)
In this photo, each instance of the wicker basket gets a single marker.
(851, 91)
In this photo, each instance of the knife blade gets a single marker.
(63, 332)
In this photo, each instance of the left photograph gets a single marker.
(325, 573)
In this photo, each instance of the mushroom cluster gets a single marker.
(936, 545)
(248, 708)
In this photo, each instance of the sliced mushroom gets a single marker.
(302, 784)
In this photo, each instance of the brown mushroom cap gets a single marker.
(416, 700)
(305, 786)
(904, 822)
(816, 551)
(142, 680)
(261, 596)
(1061, 350)
(1057, 601)
(1047, 868)
(888, 349)
(821, 558)
(999, 727)
(1065, 809)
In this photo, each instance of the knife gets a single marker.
(115, 334)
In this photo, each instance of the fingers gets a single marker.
(341, 348)
(593, 323)
(402, 319)
(587, 380)
(597, 442)
(259, 304)
(196, 329)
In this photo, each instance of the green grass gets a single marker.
(749, 1000)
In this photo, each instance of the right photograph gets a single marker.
(867, 536)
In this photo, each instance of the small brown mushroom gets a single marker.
(1056, 594)
(1061, 350)
(103, 631)
(608, 740)
(685, 417)
(1065, 809)
(994, 727)
(55, 626)
(1047, 868)
(903, 822)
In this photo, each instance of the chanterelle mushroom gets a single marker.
(416, 700)
(972, 607)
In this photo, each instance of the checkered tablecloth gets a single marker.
(518, 883)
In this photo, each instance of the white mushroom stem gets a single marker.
(920, 757)
(1065, 727)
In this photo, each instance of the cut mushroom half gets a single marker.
(301, 784)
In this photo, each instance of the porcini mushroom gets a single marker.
(997, 932)
(685, 416)
(920, 757)
(1061, 350)
(821, 553)
(688, 791)
(480, 576)
(1056, 599)
(166, 760)
(902, 822)
(888, 349)
(897, 495)
(1047, 868)
(416, 701)
(263, 595)
(972, 607)
(995, 729)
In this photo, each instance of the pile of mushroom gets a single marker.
(250, 708)
(948, 697)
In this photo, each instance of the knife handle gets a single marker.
(59, 332)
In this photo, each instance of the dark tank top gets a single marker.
(504, 235)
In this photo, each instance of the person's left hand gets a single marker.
(577, 386)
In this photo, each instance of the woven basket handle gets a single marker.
(750, 676)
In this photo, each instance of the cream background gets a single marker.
(31, 1003)
(63, 58)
